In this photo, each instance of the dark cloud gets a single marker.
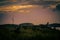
(58, 7)
(32, 2)
(2, 0)
(37, 2)
(7, 3)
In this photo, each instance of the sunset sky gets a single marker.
(28, 11)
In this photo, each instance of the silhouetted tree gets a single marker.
(47, 24)
(42, 26)
(35, 27)
(26, 25)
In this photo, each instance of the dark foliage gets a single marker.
(28, 31)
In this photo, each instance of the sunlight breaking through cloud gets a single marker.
(16, 7)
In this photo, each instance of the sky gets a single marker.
(29, 11)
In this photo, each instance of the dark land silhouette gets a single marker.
(29, 31)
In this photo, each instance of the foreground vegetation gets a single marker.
(28, 33)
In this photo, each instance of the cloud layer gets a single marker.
(28, 11)
(34, 2)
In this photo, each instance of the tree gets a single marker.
(26, 25)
